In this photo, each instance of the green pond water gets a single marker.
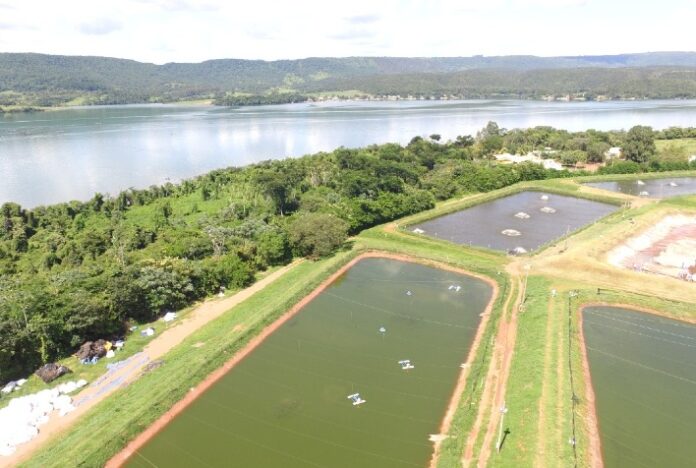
(286, 404)
(643, 370)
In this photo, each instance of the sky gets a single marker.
(161, 31)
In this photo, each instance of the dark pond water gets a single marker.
(286, 404)
(483, 225)
(643, 371)
(653, 188)
(70, 154)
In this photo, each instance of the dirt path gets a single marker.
(505, 342)
(133, 366)
(493, 378)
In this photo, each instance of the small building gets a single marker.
(551, 164)
(612, 153)
(530, 157)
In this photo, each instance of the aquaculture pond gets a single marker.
(643, 370)
(653, 188)
(287, 404)
(526, 220)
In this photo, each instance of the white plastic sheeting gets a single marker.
(21, 418)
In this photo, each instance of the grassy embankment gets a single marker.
(539, 394)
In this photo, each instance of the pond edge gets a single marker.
(144, 437)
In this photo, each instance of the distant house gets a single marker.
(551, 164)
(529, 157)
(612, 153)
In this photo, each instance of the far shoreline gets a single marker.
(209, 102)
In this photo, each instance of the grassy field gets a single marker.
(685, 146)
(542, 405)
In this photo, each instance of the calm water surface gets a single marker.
(286, 404)
(483, 225)
(653, 188)
(69, 154)
(643, 372)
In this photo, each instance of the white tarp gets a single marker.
(21, 418)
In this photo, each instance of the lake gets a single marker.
(643, 370)
(527, 219)
(286, 404)
(653, 188)
(61, 155)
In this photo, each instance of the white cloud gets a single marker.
(100, 26)
(188, 30)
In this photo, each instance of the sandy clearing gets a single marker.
(120, 458)
(160, 345)
(667, 247)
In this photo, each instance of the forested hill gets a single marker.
(586, 83)
(37, 79)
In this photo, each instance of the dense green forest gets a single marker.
(50, 80)
(260, 99)
(82, 270)
(586, 83)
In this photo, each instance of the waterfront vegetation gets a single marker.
(84, 270)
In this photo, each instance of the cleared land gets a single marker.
(667, 248)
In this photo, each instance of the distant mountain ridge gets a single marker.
(29, 78)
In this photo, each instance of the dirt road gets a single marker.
(132, 367)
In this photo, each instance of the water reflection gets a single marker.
(70, 154)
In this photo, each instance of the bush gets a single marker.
(316, 235)
(621, 167)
